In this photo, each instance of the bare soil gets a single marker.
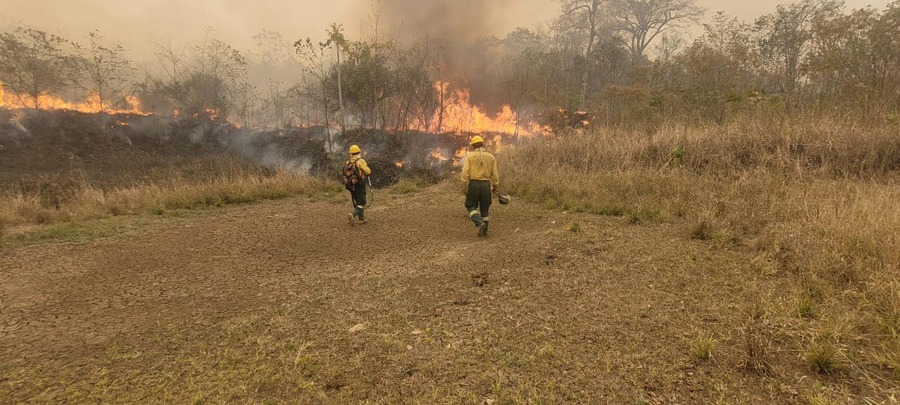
(284, 302)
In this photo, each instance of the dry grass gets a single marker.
(73, 197)
(822, 358)
(816, 201)
(703, 347)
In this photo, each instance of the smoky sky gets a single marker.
(451, 28)
(140, 24)
(465, 20)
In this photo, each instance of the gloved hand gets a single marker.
(495, 189)
(465, 189)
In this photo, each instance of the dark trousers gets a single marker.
(478, 201)
(359, 200)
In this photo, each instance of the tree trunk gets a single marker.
(325, 110)
(340, 90)
(440, 109)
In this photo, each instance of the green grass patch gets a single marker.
(410, 185)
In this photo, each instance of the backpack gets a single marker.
(351, 175)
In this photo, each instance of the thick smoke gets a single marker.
(455, 30)
(450, 20)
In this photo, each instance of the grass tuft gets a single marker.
(702, 231)
(806, 308)
(575, 227)
(822, 358)
(411, 185)
(703, 347)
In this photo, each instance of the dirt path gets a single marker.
(257, 303)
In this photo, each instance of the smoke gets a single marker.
(260, 148)
(456, 31)
(446, 20)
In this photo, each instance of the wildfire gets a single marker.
(438, 154)
(47, 102)
(460, 116)
(443, 155)
(399, 164)
(459, 156)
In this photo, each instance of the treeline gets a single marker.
(620, 61)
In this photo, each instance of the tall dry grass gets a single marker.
(73, 196)
(814, 200)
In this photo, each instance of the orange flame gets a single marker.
(438, 154)
(460, 116)
(48, 102)
(459, 156)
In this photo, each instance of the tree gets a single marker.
(369, 79)
(215, 78)
(314, 59)
(34, 63)
(720, 69)
(519, 77)
(786, 35)
(856, 57)
(642, 21)
(587, 15)
(418, 97)
(668, 46)
(336, 37)
(105, 69)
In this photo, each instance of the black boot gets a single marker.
(483, 229)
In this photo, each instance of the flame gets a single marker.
(459, 156)
(48, 102)
(460, 116)
(438, 154)
(399, 164)
(442, 155)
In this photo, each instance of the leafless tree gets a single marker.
(105, 69)
(217, 75)
(34, 63)
(640, 22)
(336, 37)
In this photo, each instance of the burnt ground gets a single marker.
(284, 302)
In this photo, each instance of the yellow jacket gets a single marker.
(361, 164)
(480, 165)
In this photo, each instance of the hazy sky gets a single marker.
(139, 23)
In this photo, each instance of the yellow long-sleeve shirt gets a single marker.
(361, 164)
(480, 165)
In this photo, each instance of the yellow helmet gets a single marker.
(354, 149)
(476, 140)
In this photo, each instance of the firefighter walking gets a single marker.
(480, 180)
(356, 171)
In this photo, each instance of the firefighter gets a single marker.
(480, 180)
(356, 171)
